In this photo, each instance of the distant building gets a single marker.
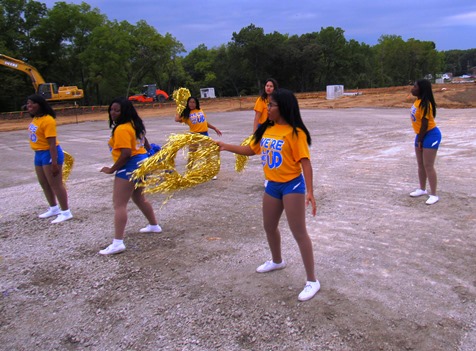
(334, 91)
(206, 93)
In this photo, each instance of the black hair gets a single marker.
(45, 108)
(425, 93)
(289, 110)
(186, 111)
(264, 96)
(128, 114)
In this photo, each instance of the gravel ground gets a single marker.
(396, 274)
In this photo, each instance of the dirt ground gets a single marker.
(396, 274)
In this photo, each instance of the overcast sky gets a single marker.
(450, 24)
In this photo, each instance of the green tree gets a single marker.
(199, 66)
(333, 57)
(230, 70)
(248, 43)
(360, 67)
(302, 61)
(17, 19)
(459, 62)
(63, 35)
(152, 56)
(392, 61)
(109, 60)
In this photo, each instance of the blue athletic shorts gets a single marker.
(131, 165)
(43, 157)
(203, 133)
(432, 139)
(278, 190)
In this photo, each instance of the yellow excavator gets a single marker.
(50, 91)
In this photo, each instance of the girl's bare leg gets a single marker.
(144, 205)
(272, 210)
(295, 208)
(421, 168)
(429, 157)
(57, 186)
(43, 180)
(122, 192)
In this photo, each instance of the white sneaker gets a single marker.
(113, 249)
(309, 291)
(215, 178)
(433, 199)
(53, 211)
(269, 266)
(63, 216)
(151, 229)
(418, 192)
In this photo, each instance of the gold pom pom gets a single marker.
(158, 173)
(67, 166)
(242, 160)
(181, 96)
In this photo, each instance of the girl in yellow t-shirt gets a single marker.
(195, 118)
(261, 104)
(285, 158)
(49, 158)
(427, 138)
(128, 148)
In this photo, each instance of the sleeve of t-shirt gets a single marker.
(302, 148)
(122, 138)
(50, 128)
(259, 105)
(255, 147)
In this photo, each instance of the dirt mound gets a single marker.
(446, 96)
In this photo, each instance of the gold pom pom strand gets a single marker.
(67, 166)
(181, 96)
(159, 174)
(242, 160)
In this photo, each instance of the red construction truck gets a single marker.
(150, 93)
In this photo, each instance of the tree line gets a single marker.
(74, 44)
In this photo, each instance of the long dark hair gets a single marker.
(289, 110)
(45, 108)
(264, 96)
(128, 114)
(426, 96)
(186, 111)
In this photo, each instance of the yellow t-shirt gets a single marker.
(281, 152)
(416, 115)
(124, 137)
(262, 106)
(40, 129)
(197, 121)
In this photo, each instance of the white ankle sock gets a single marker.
(117, 242)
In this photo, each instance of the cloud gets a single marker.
(464, 19)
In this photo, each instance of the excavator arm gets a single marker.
(50, 91)
(19, 65)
